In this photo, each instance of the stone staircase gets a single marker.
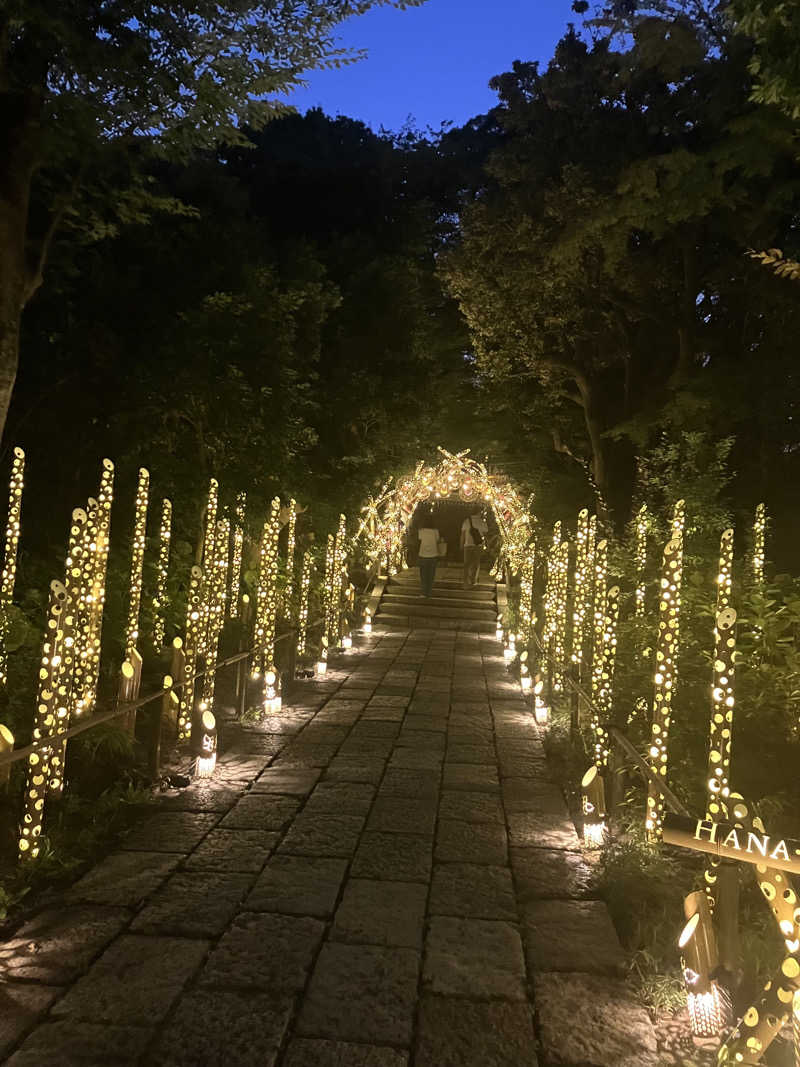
(452, 607)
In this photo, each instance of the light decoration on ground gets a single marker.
(641, 560)
(525, 680)
(510, 650)
(666, 667)
(593, 808)
(237, 550)
(541, 712)
(759, 544)
(290, 546)
(206, 758)
(603, 702)
(137, 562)
(367, 627)
(214, 592)
(191, 639)
(600, 596)
(456, 476)
(162, 573)
(706, 1002)
(10, 554)
(302, 608)
(267, 607)
(36, 785)
(583, 592)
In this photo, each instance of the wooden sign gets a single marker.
(726, 841)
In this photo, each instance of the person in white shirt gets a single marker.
(473, 538)
(428, 537)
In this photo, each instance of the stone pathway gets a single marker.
(383, 875)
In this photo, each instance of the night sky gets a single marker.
(433, 63)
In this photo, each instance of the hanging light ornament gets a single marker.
(10, 554)
(666, 671)
(162, 573)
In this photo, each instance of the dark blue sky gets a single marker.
(433, 62)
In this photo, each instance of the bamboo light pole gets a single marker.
(96, 597)
(560, 615)
(526, 593)
(603, 702)
(583, 595)
(666, 669)
(9, 573)
(267, 607)
(162, 573)
(215, 591)
(191, 644)
(327, 598)
(137, 563)
(302, 610)
(290, 547)
(759, 544)
(600, 595)
(641, 560)
(236, 556)
(551, 598)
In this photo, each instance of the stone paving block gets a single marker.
(375, 728)
(393, 857)
(472, 891)
(571, 935)
(258, 744)
(261, 812)
(361, 993)
(518, 768)
(476, 777)
(367, 748)
(547, 873)
(421, 739)
(229, 1029)
(356, 705)
(296, 783)
(135, 982)
(125, 878)
(200, 797)
(403, 815)
(242, 851)
(589, 1020)
(415, 759)
(59, 944)
(381, 700)
(170, 831)
(531, 794)
(334, 717)
(323, 835)
(471, 807)
(264, 951)
(474, 958)
(21, 1005)
(542, 830)
(347, 798)
(320, 733)
(304, 1052)
(465, 1033)
(408, 782)
(470, 753)
(300, 755)
(298, 885)
(239, 769)
(381, 913)
(194, 904)
(75, 1044)
(463, 842)
(379, 713)
(425, 724)
(355, 769)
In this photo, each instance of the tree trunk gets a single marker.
(12, 295)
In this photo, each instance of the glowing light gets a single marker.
(666, 675)
(214, 589)
(641, 559)
(10, 554)
(137, 562)
(759, 544)
(267, 593)
(583, 591)
(6, 745)
(290, 546)
(302, 610)
(526, 593)
(600, 586)
(603, 698)
(206, 759)
(191, 639)
(593, 808)
(162, 573)
(236, 556)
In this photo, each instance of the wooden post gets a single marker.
(726, 916)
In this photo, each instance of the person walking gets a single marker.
(473, 536)
(428, 538)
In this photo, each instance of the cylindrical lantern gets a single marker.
(541, 712)
(205, 741)
(593, 806)
(6, 745)
(698, 947)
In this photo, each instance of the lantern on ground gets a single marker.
(367, 627)
(347, 641)
(322, 662)
(499, 629)
(510, 650)
(206, 745)
(272, 696)
(541, 712)
(593, 806)
(698, 947)
(525, 680)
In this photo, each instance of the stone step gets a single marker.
(420, 622)
(444, 600)
(431, 609)
(454, 589)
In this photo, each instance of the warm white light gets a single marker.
(594, 834)
(322, 666)
(706, 1012)
(204, 766)
(525, 682)
(347, 641)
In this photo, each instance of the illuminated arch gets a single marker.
(457, 476)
